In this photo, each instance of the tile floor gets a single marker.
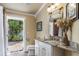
(16, 49)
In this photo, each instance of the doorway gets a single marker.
(15, 36)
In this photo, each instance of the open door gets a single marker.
(15, 36)
(2, 50)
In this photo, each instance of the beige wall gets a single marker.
(31, 29)
(43, 16)
(75, 32)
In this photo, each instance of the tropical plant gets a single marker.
(15, 28)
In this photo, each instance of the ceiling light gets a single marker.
(52, 7)
(49, 9)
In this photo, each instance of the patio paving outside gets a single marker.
(15, 46)
(15, 49)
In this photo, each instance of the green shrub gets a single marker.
(15, 28)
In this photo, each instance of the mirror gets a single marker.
(56, 14)
(71, 10)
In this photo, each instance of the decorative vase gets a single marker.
(65, 39)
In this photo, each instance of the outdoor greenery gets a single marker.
(15, 30)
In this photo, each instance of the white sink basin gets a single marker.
(54, 43)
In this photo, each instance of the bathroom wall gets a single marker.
(75, 37)
(75, 32)
(31, 29)
(44, 17)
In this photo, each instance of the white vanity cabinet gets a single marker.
(42, 49)
(45, 49)
(36, 48)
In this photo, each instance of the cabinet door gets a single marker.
(37, 48)
(45, 49)
(37, 51)
(48, 49)
(42, 51)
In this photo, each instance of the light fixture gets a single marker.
(49, 10)
(52, 7)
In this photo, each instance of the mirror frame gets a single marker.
(69, 15)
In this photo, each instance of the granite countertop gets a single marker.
(60, 45)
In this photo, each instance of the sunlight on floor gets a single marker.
(16, 49)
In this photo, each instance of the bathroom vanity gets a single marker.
(53, 48)
(42, 49)
(46, 48)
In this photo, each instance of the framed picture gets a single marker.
(71, 10)
(39, 26)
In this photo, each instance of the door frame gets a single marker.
(15, 17)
